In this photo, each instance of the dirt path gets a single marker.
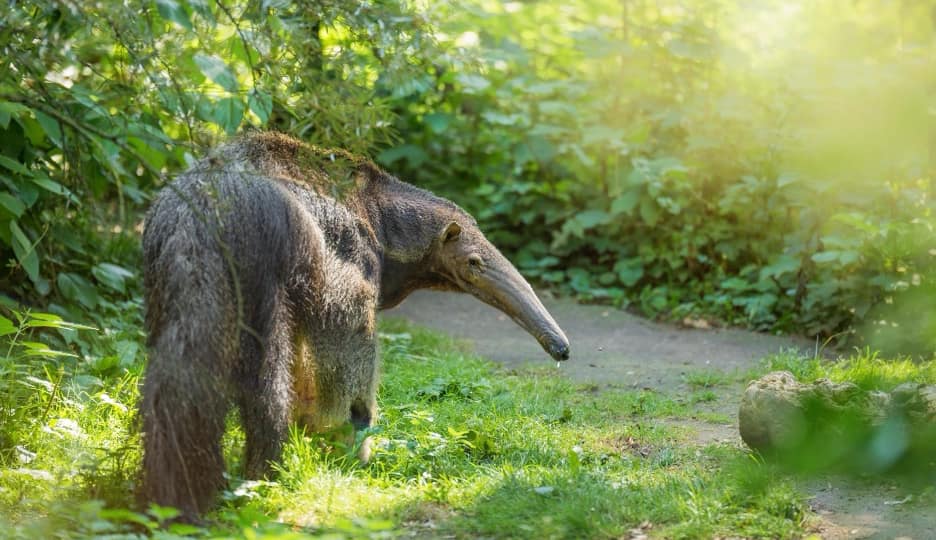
(608, 345)
(611, 347)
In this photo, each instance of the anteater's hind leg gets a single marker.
(265, 389)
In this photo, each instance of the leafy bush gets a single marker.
(687, 157)
(100, 101)
(764, 164)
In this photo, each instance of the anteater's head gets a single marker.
(464, 258)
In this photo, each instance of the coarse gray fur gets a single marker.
(264, 267)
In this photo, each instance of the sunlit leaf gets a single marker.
(25, 251)
(261, 104)
(6, 326)
(473, 83)
(228, 113)
(217, 70)
(173, 10)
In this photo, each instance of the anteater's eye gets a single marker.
(475, 261)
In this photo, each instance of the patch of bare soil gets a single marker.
(848, 510)
(614, 348)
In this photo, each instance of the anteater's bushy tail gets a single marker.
(192, 324)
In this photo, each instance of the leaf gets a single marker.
(51, 127)
(592, 218)
(14, 166)
(76, 288)
(128, 516)
(848, 257)
(783, 264)
(6, 326)
(649, 212)
(786, 179)
(152, 153)
(473, 83)
(626, 202)
(629, 271)
(415, 155)
(127, 351)
(825, 257)
(172, 11)
(12, 204)
(8, 110)
(25, 252)
(50, 320)
(581, 155)
(541, 148)
(261, 104)
(228, 113)
(501, 119)
(54, 187)
(34, 348)
(437, 122)
(575, 462)
(735, 284)
(215, 69)
(112, 276)
(579, 279)
(36, 382)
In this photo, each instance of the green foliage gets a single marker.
(100, 102)
(742, 161)
(685, 157)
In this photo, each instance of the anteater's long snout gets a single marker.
(502, 286)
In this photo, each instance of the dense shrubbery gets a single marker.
(99, 102)
(765, 165)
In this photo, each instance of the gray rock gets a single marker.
(777, 412)
(917, 400)
(770, 415)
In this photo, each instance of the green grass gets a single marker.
(864, 368)
(463, 448)
(707, 378)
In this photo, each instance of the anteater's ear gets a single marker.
(451, 232)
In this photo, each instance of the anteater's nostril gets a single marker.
(561, 352)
